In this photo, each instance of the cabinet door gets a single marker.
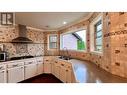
(39, 68)
(3, 76)
(57, 71)
(73, 80)
(53, 69)
(15, 74)
(47, 68)
(69, 76)
(30, 71)
(63, 74)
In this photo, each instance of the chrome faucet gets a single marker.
(67, 52)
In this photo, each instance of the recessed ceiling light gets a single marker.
(64, 22)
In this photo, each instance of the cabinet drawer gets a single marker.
(46, 60)
(15, 64)
(39, 61)
(30, 62)
(2, 67)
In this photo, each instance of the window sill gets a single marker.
(85, 51)
(97, 53)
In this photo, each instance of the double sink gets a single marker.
(65, 58)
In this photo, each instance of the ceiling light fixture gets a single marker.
(64, 22)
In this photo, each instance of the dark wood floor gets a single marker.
(44, 78)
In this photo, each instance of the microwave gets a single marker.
(2, 56)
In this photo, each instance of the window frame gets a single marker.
(50, 35)
(69, 32)
(92, 32)
(95, 35)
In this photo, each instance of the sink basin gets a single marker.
(64, 57)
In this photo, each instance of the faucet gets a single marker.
(67, 52)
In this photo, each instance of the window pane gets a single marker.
(99, 41)
(53, 38)
(99, 27)
(53, 45)
(99, 48)
(99, 34)
(75, 40)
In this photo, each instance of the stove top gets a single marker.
(22, 57)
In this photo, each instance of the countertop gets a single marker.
(1, 62)
(87, 72)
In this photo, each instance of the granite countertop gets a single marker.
(87, 72)
(8, 60)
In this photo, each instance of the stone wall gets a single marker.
(114, 58)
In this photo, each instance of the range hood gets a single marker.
(22, 35)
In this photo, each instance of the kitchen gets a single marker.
(48, 46)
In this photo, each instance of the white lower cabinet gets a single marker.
(62, 70)
(57, 70)
(3, 76)
(21, 70)
(63, 74)
(39, 69)
(30, 71)
(40, 65)
(47, 67)
(68, 75)
(15, 74)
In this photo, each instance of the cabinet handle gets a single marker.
(69, 67)
(0, 68)
(21, 67)
(25, 67)
(39, 61)
(47, 60)
(2, 71)
(62, 64)
(15, 65)
(30, 63)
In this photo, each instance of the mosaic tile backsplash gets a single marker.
(17, 49)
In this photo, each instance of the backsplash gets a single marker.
(18, 49)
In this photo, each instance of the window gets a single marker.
(52, 41)
(74, 41)
(98, 36)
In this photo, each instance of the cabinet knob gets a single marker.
(66, 70)
(62, 64)
(0, 68)
(2, 71)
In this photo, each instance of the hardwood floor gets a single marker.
(44, 78)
